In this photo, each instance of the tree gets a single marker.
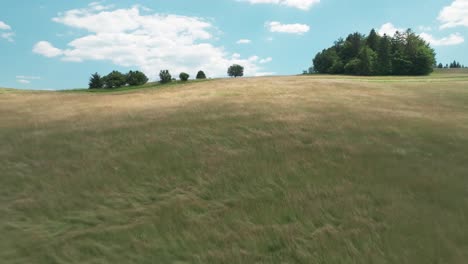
(236, 71)
(367, 58)
(455, 65)
(114, 79)
(373, 40)
(351, 47)
(403, 54)
(96, 82)
(165, 76)
(184, 76)
(440, 66)
(328, 61)
(201, 75)
(135, 78)
(384, 56)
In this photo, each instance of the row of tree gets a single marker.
(453, 65)
(117, 79)
(403, 54)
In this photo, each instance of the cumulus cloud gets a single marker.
(266, 60)
(452, 39)
(8, 35)
(28, 77)
(4, 26)
(23, 79)
(299, 4)
(244, 41)
(46, 49)
(133, 38)
(456, 14)
(299, 29)
(389, 29)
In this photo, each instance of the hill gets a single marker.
(308, 169)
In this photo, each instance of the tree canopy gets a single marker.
(236, 71)
(136, 78)
(165, 76)
(403, 54)
(201, 75)
(184, 76)
(115, 79)
(96, 81)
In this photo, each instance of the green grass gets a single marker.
(150, 85)
(307, 169)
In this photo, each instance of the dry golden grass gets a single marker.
(300, 169)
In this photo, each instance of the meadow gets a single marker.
(294, 169)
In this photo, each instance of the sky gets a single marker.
(56, 44)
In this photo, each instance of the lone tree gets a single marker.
(136, 78)
(184, 76)
(96, 82)
(201, 75)
(165, 76)
(114, 79)
(236, 71)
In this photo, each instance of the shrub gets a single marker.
(114, 79)
(184, 76)
(136, 78)
(165, 76)
(236, 71)
(96, 82)
(201, 75)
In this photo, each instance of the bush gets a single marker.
(135, 78)
(165, 76)
(96, 82)
(114, 79)
(201, 75)
(236, 71)
(184, 76)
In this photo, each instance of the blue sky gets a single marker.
(56, 44)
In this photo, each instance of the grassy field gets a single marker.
(305, 169)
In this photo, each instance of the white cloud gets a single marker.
(244, 41)
(454, 15)
(287, 28)
(266, 60)
(299, 4)
(24, 77)
(4, 26)
(425, 28)
(389, 29)
(46, 49)
(453, 39)
(23, 81)
(6, 35)
(151, 42)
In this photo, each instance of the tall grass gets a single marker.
(263, 170)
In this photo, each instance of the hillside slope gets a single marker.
(260, 170)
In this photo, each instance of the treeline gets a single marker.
(116, 79)
(403, 54)
(453, 65)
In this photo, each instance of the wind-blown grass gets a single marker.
(261, 170)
